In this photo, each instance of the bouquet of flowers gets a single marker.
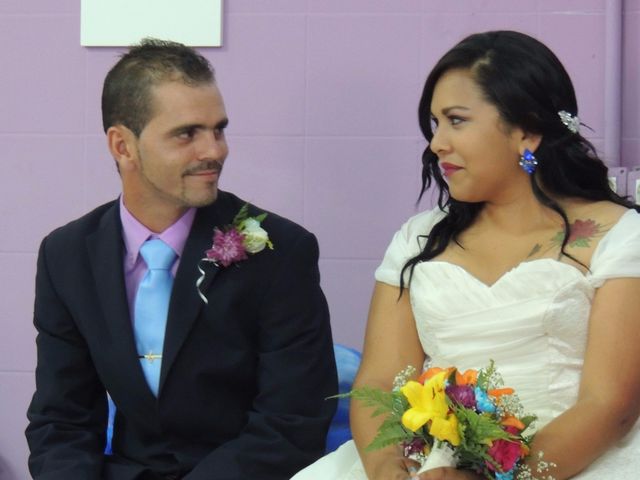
(457, 419)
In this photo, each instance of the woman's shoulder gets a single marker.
(621, 228)
(591, 223)
(406, 243)
(616, 233)
(605, 211)
(422, 223)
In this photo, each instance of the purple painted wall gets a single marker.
(322, 97)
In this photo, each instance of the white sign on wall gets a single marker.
(116, 23)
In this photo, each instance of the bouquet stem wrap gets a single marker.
(441, 455)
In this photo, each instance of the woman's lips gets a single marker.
(449, 169)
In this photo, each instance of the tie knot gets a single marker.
(157, 254)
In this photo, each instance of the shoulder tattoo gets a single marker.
(581, 233)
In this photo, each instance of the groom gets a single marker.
(223, 378)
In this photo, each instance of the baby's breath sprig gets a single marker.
(542, 469)
(510, 405)
(403, 377)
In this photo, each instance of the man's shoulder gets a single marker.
(276, 225)
(79, 228)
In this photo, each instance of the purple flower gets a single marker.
(227, 247)
(463, 395)
(415, 446)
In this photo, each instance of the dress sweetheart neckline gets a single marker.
(500, 278)
(508, 272)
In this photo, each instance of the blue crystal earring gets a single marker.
(528, 161)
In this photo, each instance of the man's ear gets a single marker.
(122, 144)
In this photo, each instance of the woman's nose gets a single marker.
(439, 144)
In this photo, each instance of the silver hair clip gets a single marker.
(572, 122)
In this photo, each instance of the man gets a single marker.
(237, 386)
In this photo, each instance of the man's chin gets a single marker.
(203, 200)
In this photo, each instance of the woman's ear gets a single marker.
(530, 141)
(122, 144)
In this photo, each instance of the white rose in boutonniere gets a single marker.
(256, 238)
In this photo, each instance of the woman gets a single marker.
(531, 260)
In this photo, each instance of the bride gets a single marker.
(530, 260)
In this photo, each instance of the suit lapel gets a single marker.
(106, 251)
(185, 301)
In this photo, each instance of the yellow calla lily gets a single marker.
(446, 429)
(427, 401)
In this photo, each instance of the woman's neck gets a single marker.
(519, 215)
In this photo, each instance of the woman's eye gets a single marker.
(455, 120)
(434, 124)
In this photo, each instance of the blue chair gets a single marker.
(348, 362)
(112, 412)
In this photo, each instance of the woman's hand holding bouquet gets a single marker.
(466, 420)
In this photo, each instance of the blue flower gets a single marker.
(483, 403)
(505, 476)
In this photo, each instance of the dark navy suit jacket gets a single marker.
(243, 380)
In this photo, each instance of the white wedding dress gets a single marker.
(532, 322)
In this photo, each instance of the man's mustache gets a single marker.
(205, 166)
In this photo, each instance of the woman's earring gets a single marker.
(528, 161)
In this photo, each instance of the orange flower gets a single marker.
(512, 421)
(498, 392)
(430, 372)
(470, 377)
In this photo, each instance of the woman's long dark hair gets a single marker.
(528, 85)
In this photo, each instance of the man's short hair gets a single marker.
(126, 94)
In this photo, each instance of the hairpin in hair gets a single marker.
(572, 122)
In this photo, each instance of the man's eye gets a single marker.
(187, 134)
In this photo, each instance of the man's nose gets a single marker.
(212, 145)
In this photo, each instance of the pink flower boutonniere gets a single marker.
(233, 243)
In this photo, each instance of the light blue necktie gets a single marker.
(151, 308)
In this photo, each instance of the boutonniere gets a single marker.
(234, 243)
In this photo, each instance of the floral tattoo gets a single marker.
(581, 234)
